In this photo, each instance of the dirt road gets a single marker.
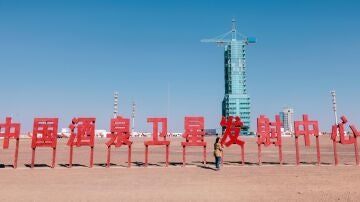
(195, 182)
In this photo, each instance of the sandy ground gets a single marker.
(195, 182)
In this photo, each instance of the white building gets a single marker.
(287, 118)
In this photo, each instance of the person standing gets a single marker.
(217, 153)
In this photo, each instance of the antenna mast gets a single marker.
(133, 117)
(116, 96)
(233, 30)
(333, 95)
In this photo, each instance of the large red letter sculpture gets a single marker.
(269, 133)
(10, 130)
(194, 134)
(156, 141)
(44, 135)
(338, 130)
(306, 128)
(82, 134)
(232, 133)
(119, 135)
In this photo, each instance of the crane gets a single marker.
(224, 39)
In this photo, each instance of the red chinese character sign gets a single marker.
(231, 134)
(194, 135)
(10, 130)
(44, 135)
(269, 133)
(156, 123)
(306, 128)
(82, 134)
(119, 135)
(338, 130)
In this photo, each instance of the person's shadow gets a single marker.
(207, 167)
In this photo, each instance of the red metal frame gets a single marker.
(231, 134)
(338, 130)
(82, 134)
(269, 133)
(194, 135)
(10, 130)
(44, 135)
(119, 135)
(308, 128)
(156, 122)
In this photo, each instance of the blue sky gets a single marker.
(66, 58)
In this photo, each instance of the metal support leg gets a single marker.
(318, 150)
(184, 160)
(53, 158)
(146, 155)
(129, 156)
(297, 151)
(91, 157)
(108, 156)
(16, 153)
(32, 157)
(71, 156)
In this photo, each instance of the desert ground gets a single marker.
(194, 182)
